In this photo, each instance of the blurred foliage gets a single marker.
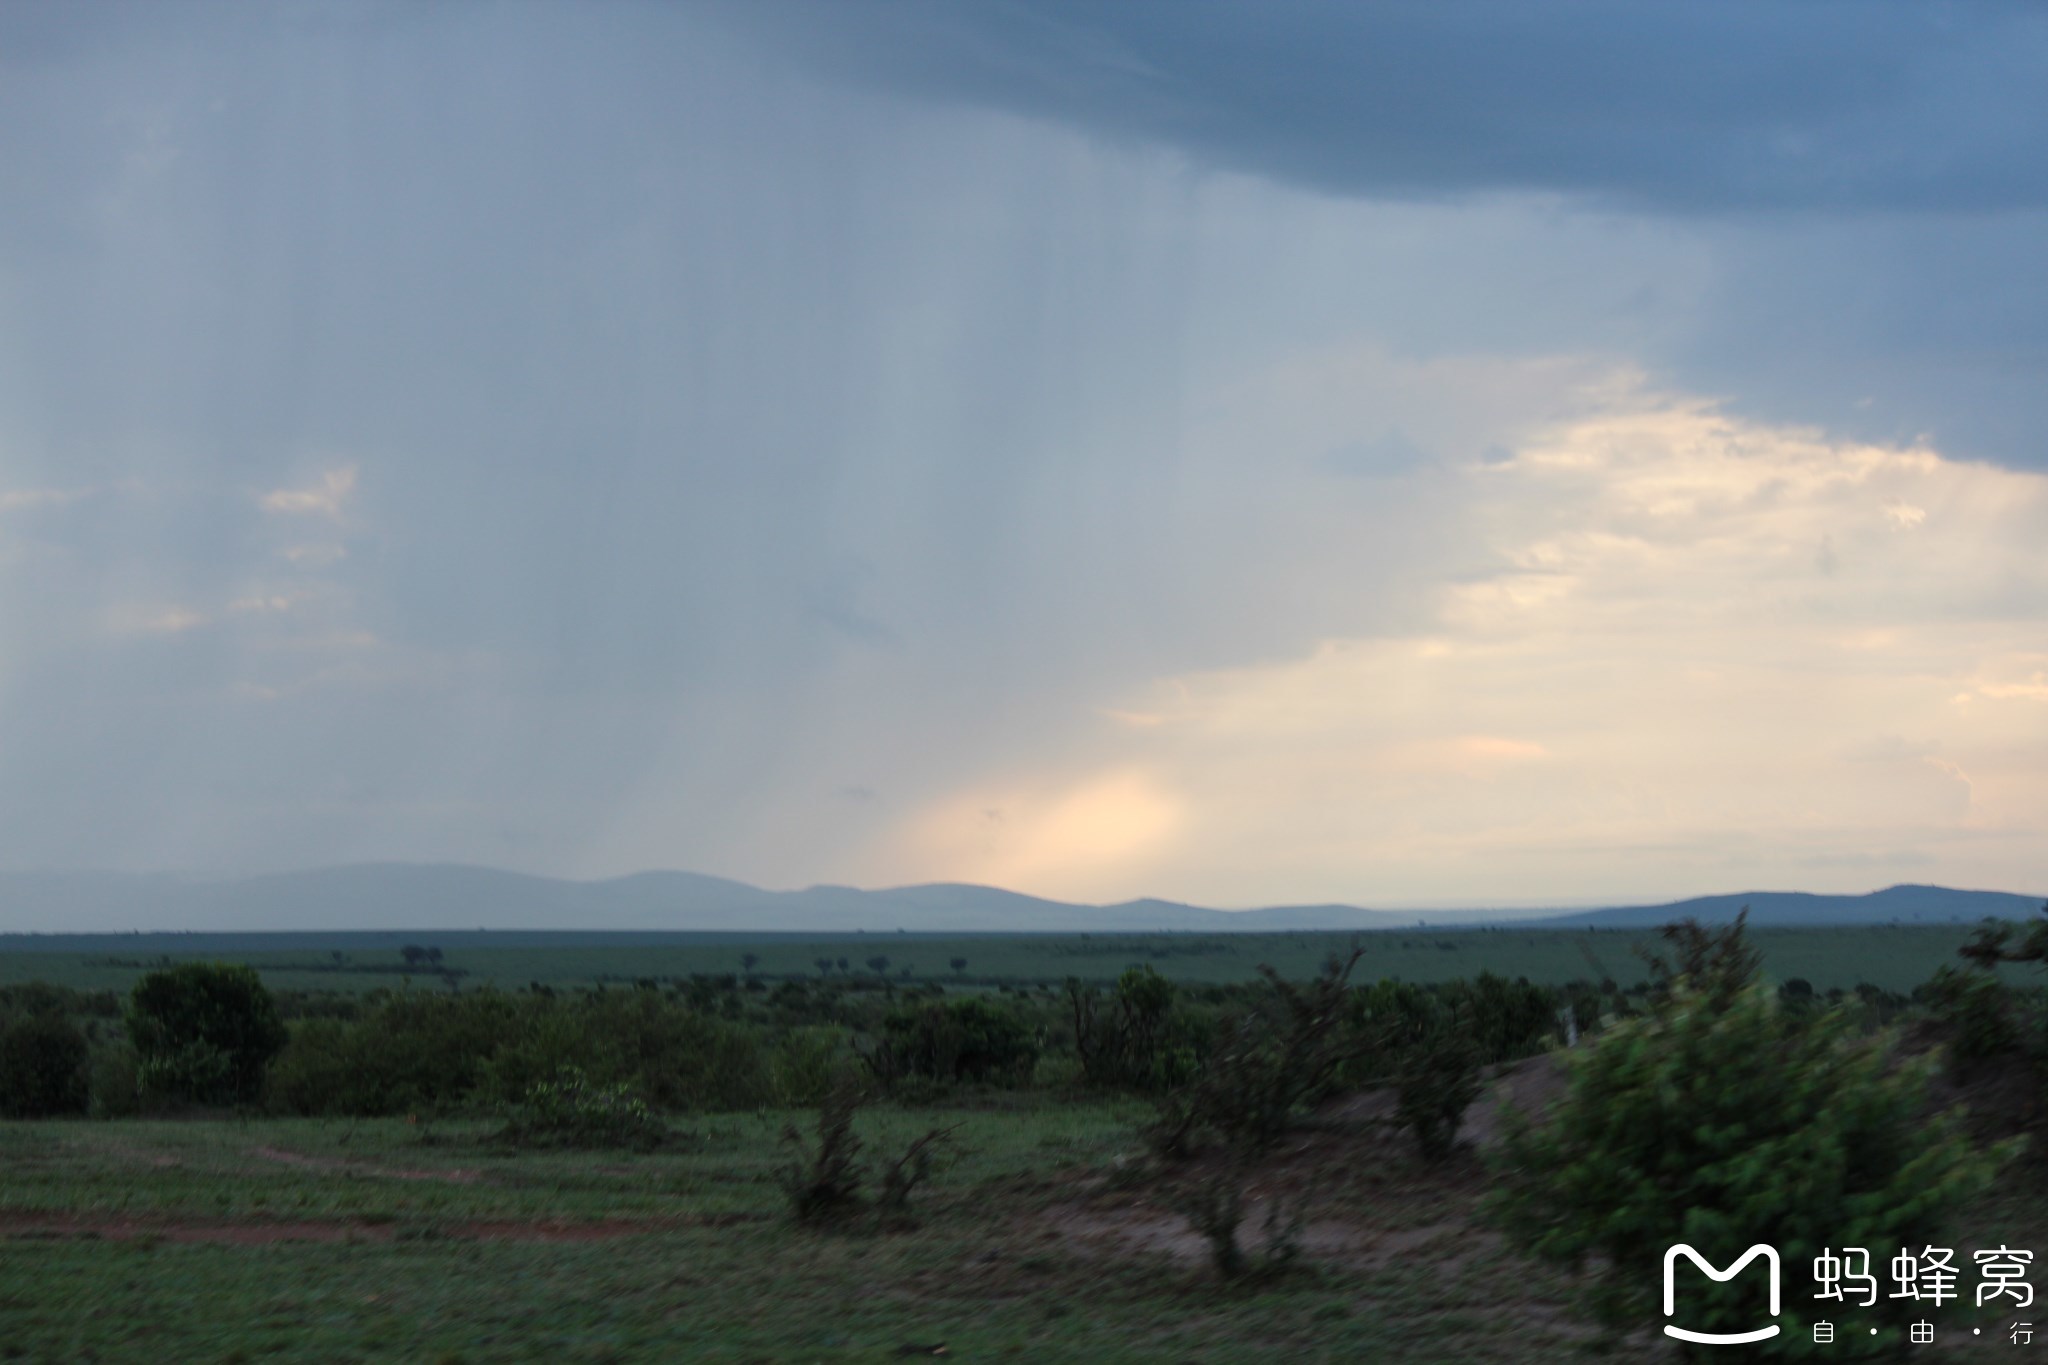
(571, 1110)
(1720, 1119)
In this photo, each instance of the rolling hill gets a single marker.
(407, 896)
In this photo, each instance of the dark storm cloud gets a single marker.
(1710, 104)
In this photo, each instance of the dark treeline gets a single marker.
(196, 1035)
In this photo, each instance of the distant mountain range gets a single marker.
(414, 896)
(1789, 909)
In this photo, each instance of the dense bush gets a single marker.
(42, 997)
(954, 1040)
(425, 1051)
(204, 1032)
(42, 1066)
(806, 1062)
(1721, 1120)
(1505, 1020)
(1982, 1015)
(411, 1052)
(677, 1056)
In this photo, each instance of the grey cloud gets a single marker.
(1871, 176)
(1690, 106)
(1386, 456)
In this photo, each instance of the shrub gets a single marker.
(1215, 1209)
(823, 1184)
(204, 1032)
(954, 1040)
(906, 1173)
(1720, 1120)
(1140, 1042)
(1425, 1044)
(1435, 1082)
(573, 1111)
(1719, 963)
(42, 1066)
(1286, 1051)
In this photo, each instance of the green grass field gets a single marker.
(1893, 957)
(359, 1242)
(377, 1241)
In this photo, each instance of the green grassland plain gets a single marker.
(294, 1240)
(1894, 957)
(378, 1240)
(1041, 1236)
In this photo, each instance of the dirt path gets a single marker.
(338, 1165)
(264, 1232)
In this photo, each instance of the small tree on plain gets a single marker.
(204, 1032)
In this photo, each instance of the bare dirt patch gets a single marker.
(450, 1176)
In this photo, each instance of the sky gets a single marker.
(1418, 454)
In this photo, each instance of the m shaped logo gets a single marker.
(1770, 1255)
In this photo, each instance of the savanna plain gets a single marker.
(861, 1148)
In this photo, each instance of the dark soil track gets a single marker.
(264, 1232)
